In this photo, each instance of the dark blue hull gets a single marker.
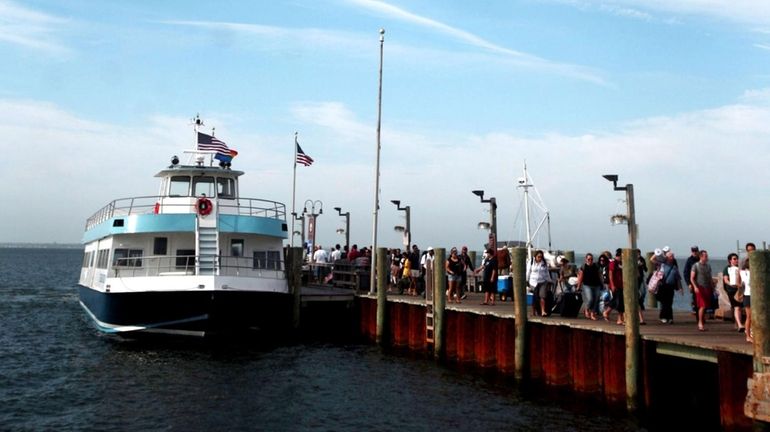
(187, 312)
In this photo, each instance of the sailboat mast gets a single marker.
(526, 211)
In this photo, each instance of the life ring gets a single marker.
(204, 206)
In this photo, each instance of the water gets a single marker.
(59, 373)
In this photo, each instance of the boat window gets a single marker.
(267, 260)
(87, 259)
(225, 188)
(160, 246)
(236, 247)
(101, 258)
(203, 185)
(127, 257)
(180, 186)
(185, 259)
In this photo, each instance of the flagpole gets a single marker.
(372, 278)
(294, 190)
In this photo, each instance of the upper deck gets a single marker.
(175, 208)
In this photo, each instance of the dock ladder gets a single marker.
(429, 328)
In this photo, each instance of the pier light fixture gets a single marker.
(312, 215)
(484, 225)
(407, 230)
(347, 226)
(630, 217)
(492, 225)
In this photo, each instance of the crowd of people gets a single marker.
(598, 281)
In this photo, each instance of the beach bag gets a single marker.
(655, 281)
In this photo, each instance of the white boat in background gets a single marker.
(195, 258)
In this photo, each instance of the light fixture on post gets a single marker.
(300, 233)
(407, 230)
(312, 215)
(493, 217)
(629, 218)
(347, 227)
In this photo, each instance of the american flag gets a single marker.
(302, 158)
(208, 142)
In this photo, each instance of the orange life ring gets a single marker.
(204, 206)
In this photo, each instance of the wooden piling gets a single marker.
(382, 298)
(759, 264)
(439, 302)
(294, 279)
(519, 261)
(633, 338)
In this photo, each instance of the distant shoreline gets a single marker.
(40, 246)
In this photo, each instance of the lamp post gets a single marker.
(312, 215)
(630, 297)
(347, 226)
(492, 215)
(408, 227)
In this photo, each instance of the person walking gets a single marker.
(468, 262)
(703, 285)
(489, 276)
(454, 268)
(616, 288)
(691, 260)
(745, 280)
(730, 279)
(669, 284)
(539, 278)
(590, 284)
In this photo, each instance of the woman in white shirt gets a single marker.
(538, 278)
(745, 278)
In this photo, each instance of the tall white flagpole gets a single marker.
(294, 190)
(372, 278)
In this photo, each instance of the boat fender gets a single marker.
(204, 206)
(156, 210)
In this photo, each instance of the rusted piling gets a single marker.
(518, 263)
(382, 298)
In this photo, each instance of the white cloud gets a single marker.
(518, 57)
(29, 29)
(693, 173)
(741, 11)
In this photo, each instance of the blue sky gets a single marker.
(673, 96)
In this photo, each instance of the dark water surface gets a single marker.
(59, 373)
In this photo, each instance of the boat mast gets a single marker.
(526, 187)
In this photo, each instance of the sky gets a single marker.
(673, 97)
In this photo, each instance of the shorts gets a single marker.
(541, 290)
(746, 301)
(453, 277)
(489, 287)
(703, 297)
(414, 273)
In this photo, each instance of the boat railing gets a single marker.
(151, 204)
(184, 265)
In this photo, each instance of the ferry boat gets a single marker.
(197, 258)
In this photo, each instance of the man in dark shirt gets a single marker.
(691, 260)
(466, 259)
